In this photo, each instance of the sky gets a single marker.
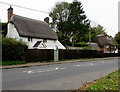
(103, 12)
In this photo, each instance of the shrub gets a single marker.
(12, 49)
(87, 48)
(12, 63)
(80, 44)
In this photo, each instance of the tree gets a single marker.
(70, 21)
(99, 30)
(78, 21)
(3, 29)
(117, 38)
(60, 23)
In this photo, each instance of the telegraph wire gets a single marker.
(24, 7)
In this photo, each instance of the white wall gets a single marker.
(49, 44)
(12, 32)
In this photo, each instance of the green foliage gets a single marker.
(117, 37)
(93, 33)
(80, 44)
(78, 21)
(12, 63)
(71, 23)
(110, 82)
(4, 29)
(97, 30)
(50, 61)
(12, 49)
(87, 48)
(59, 17)
(69, 20)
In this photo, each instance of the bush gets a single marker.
(12, 49)
(87, 48)
(12, 63)
(80, 44)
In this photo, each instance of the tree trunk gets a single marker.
(73, 41)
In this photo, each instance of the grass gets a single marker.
(50, 61)
(104, 84)
(6, 63)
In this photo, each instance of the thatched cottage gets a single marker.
(106, 44)
(36, 34)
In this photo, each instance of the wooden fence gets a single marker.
(75, 54)
(35, 55)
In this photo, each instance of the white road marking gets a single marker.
(76, 65)
(56, 68)
(30, 71)
(91, 64)
(63, 68)
(102, 62)
(43, 70)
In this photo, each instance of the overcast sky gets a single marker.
(103, 12)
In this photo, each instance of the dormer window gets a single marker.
(37, 44)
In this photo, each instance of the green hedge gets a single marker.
(12, 49)
(80, 44)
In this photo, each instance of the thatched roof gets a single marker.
(32, 28)
(94, 46)
(110, 41)
(101, 40)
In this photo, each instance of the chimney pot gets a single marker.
(46, 20)
(10, 13)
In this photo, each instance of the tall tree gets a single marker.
(70, 21)
(117, 38)
(60, 23)
(94, 31)
(78, 21)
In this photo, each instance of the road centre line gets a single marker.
(43, 70)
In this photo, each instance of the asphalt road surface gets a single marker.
(58, 76)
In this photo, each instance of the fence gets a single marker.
(35, 55)
(75, 54)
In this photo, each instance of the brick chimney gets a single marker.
(46, 20)
(10, 13)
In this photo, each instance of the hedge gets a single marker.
(12, 49)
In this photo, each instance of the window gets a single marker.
(37, 44)
(44, 45)
(29, 38)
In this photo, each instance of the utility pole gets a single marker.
(89, 35)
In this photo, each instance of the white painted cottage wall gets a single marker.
(12, 32)
(50, 44)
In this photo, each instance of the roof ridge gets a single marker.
(33, 28)
(29, 18)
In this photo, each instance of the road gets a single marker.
(57, 76)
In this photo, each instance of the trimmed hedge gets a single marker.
(80, 44)
(12, 49)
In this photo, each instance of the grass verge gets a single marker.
(109, 83)
(6, 63)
